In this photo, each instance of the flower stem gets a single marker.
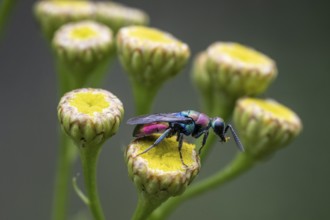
(66, 158)
(6, 7)
(143, 97)
(239, 165)
(89, 157)
(97, 77)
(222, 106)
(68, 154)
(145, 207)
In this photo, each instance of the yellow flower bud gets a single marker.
(82, 47)
(116, 15)
(159, 173)
(150, 56)
(265, 126)
(90, 116)
(239, 70)
(53, 14)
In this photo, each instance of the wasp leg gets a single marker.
(206, 134)
(164, 135)
(180, 139)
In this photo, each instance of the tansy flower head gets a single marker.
(150, 56)
(53, 14)
(239, 70)
(159, 173)
(117, 15)
(82, 46)
(90, 116)
(265, 125)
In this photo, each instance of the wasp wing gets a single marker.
(161, 117)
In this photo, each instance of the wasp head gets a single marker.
(218, 126)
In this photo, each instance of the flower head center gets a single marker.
(83, 33)
(243, 54)
(165, 156)
(272, 107)
(89, 102)
(150, 34)
(72, 4)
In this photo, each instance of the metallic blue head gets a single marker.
(218, 126)
(221, 129)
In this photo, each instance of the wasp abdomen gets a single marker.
(149, 129)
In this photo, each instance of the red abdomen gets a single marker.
(149, 129)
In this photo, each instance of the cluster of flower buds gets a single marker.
(53, 14)
(233, 71)
(227, 71)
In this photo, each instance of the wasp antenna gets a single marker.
(238, 142)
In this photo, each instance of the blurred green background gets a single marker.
(294, 184)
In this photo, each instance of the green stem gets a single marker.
(145, 207)
(223, 107)
(68, 81)
(6, 7)
(239, 165)
(66, 158)
(89, 157)
(207, 100)
(144, 97)
(67, 155)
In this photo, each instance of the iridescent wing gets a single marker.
(161, 117)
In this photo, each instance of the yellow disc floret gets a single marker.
(242, 53)
(159, 173)
(166, 156)
(240, 57)
(151, 34)
(77, 5)
(89, 102)
(83, 32)
(271, 107)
